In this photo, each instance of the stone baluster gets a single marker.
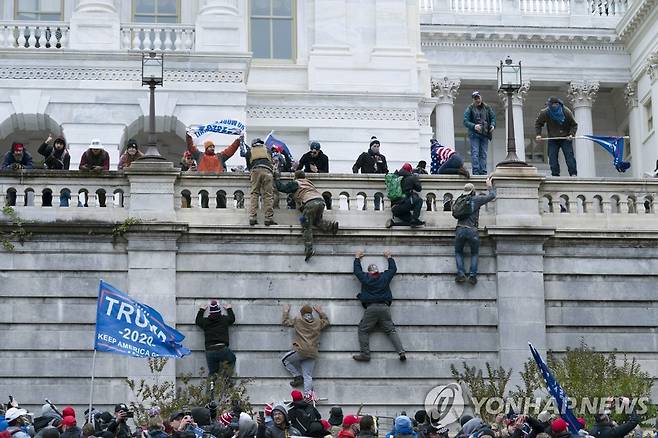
(137, 42)
(518, 97)
(147, 44)
(157, 41)
(3, 37)
(446, 91)
(188, 41)
(32, 38)
(47, 37)
(64, 38)
(178, 44)
(21, 37)
(582, 95)
(125, 39)
(167, 42)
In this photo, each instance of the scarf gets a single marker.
(557, 114)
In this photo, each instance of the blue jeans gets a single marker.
(217, 358)
(567, 149)
(479, 147)
(451, 166)
(464, 235)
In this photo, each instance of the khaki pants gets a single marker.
(261, 185)
(312, 213)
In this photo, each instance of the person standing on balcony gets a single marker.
(131, 155)
(376, 298)
(311, 203)
(467, 231)
(260, 165)
(480, 120)
(446, 161)
(300, 361)
(561, 126)
(371, 161)
(215, 332)
(314, 161)
(17, 158)
(187, 162)
(95, 158)
(56, 156)
(209, 161)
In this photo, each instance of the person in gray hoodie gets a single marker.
(49, 417)
(280, 427)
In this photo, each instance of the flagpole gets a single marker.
(91, 390)
(579, 136)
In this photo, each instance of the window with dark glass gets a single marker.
(156, 11)
(40, 10)
(272, 34)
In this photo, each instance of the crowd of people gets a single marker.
(297, 417)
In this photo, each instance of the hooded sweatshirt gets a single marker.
(307, 334)
(402, 428)
(247, 427)
(471, 426)
(273, 431)
(56, 159)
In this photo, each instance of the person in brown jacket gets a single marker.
(561, 126)
(300, 361)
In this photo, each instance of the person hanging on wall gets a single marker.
(561, 127)
(215, 331)
(480, 120)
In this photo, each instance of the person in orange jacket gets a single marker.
(209, 161)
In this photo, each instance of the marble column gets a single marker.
(221, 26)
(95, 26)
(518, 98)
(445, 90)
(635, 129)
(330, 24)
(651, 147)
(391, 26)
(582, 95)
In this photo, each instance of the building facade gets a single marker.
(329, 70)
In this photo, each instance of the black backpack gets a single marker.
(463, 206)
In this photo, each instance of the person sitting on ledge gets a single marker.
(131, 155)
(17, 158)
(446, 161)
(407, 209)
(57, 157)
(95, 158)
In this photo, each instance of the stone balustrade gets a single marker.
(545, 7)
(355, 200)
(33, 35)
(158, 37)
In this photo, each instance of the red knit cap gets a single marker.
(297, 395)
(226, 418)
(68, 421)
(559, 425)
(349, 420)
(407, 167)
(68, 412)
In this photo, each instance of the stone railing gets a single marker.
(159, 37)
(609, 8)
(476, 6)
(33, 35)
(355, 200)
(545, 7)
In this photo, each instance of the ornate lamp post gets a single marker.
(152, 75)
(509, 81)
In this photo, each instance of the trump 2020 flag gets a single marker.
(226, 126)
(556, 391)
(126, 326)
(614, 145)
(271, 141)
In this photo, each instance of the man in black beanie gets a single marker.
(215, 331)
(371, 161)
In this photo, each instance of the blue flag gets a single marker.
(271, 141)
(226, 126)
(614, 145)
(126, 326)
(556, 392)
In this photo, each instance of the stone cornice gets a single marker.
(329, 113)
(115, 74)
(635, 16)
(521, 38)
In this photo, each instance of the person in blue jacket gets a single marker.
(376, 298)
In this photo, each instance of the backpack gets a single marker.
(393, 187)
(462, 207)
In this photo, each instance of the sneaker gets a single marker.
(361, 357)
(308, 254)
(403, 357)
(473, 279)
(297, 381)
(253, 222)
(460, 278)
(463, 172)
(270, 222)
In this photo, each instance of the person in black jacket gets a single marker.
(302, 414)
(314, 161)
(56, 156)
(407, 209)
(118, 425)
(215, 331)
(371, 161)
(376, 298)
(604, 428)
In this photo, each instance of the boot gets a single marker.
(463, 172)
(334, 228)
(297, 381)
(308, 253)
(361, 357)
(270, 222)
(253, 222)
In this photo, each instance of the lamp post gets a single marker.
(152, 75)
(509, 81)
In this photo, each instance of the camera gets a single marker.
(526, 429)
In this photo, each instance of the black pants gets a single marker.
(217, 358)
(408, 209)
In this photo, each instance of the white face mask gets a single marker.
(308, 317)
